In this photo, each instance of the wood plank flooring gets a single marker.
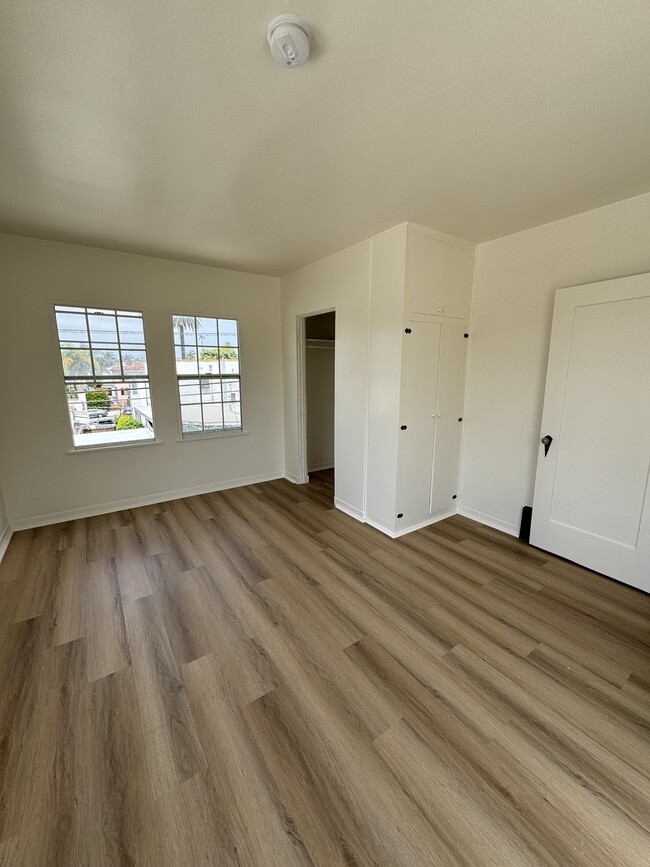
(253, 678)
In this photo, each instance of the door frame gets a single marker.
(301, 396)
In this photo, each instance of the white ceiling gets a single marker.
(164, 127)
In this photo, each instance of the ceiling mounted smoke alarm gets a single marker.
(289, 40)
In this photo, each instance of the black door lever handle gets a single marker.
(547, 440)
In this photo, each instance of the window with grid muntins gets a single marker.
(207, 367)
(104, 359)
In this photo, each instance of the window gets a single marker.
(207, 367)
(106, 378)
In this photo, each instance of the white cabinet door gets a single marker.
(439, 277)
(424, 274)
(591, 502)
(419, 400)
(448, 435)
(457, 282)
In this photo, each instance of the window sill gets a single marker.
(216, 435)
(80, 450)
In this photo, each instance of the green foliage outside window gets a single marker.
(226, 351)
(97, 399)
(127, 422)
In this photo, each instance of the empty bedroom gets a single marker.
(325, 434)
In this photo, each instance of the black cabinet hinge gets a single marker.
(407, 331)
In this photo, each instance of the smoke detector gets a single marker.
(289, 41)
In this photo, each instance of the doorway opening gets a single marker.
(316, 390)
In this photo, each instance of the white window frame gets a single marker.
(143, 436)
(188, 436)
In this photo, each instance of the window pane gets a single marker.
(76, 362)
(209, 353)
(131, 329)
(206, 332)
(191, 418)
(72, 327)
(213, 418)
(186, 362)
(190, 391)
(184, 330)
(211, 390)
(231, 390)
(103, 329)
(228, 332)
(134, 362)
(212, 366)
(228, 350)
(107, 362)
(230, 365)
(232, 415)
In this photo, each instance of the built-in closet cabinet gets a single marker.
(421, 286)
(438, 276)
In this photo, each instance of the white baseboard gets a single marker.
(403, 531)
(379, 526)
(352, 511)
(133, 503)
(326, 465)
(433, 520)
(489, 521)
(291, 478)
(5, 538)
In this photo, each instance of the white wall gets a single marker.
(516, 280)
(320, 406)
(41, 482)
(341, 281)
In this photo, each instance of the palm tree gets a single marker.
(185, 323)
(76, 362)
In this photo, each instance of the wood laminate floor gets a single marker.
(253, 678)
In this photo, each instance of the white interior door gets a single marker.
(592, 503)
